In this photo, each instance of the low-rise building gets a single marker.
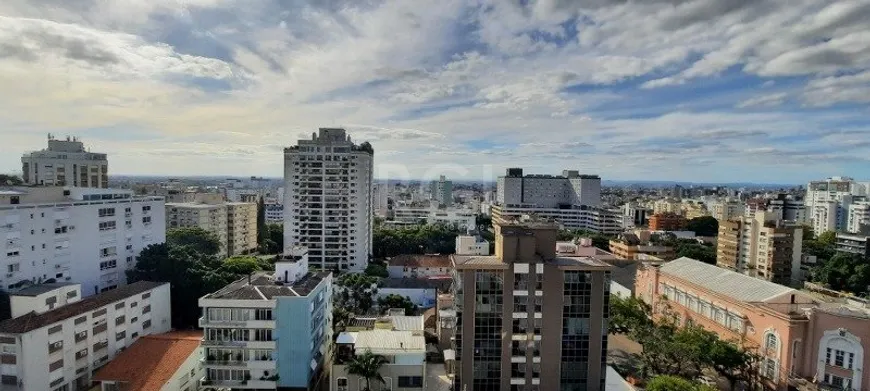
(801, 336)
(423, 292)
(162, 362)
(404, 353)
(56, 339)
(419, 265)
(471, 245)
(268, 331)
(667, 222)
(853, 244)
(629, 245)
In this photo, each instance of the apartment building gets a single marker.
(471, 245)
(590, 218)
(548, 191)
(241, 227)
(269, 331)
(56, 339)
(328, 199)
(464, 219)
(802, 337)
(274, 213)
(630, 246)
(726, 210)
(442, 191)
(528, 319)
(828, 202)
(210, 217)
(84, 235)
(853, 244)
(634, 216)
(65, 163)
(858, 218)
(403, 350)
(667, 222)
(763, 246)
(160, 362)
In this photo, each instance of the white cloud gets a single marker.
(769, 100)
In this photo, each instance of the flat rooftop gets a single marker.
(37, 290)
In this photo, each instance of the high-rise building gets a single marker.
(762, 246)
(328, 199)
(442, 191)
(571, 199)
(667, 222)
(381, 199)
(269, 330)
(858, 219)
(65, 163)
(828, 202)
(527, 318)
(241, 227)
(726, 210)
(83, 235)
(634, 216)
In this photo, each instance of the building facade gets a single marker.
(269, 331)
(471, 245)
(828, 202)
(853, 244)
(630, 246)
(403, 350)
(328, 199)
(159, 362)
(89, 236)
(800, 337)
(667, 222)
(210, 217)
(442, 191)
(763, 246)
(548, 191)
(464, 219)
(858, 219)
(65, 163)
(727, 210)
(241, 227)
(528, 319)
(274, 213)
(594, 219)
(56, 340)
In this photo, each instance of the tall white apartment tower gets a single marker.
(65, 163)
(328, 199)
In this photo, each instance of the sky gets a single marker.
(774, 91)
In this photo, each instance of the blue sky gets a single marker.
(696, 90)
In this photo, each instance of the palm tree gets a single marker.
(367, 366)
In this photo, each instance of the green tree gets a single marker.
(272, 239)
(827, 238)
(197, 239)
(675, 383)
(704, 226)
(627, 314)
(245, 264)
(376, 270)
(483, 222)
(845, 272)
(397, 301)
(368, 366)
(10, 180)
(421, 239)
(729, 360)
(261, 220)
(703, 253)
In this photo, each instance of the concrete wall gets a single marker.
(182, 380)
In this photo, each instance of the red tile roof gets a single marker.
(415, 260)
(151, 361)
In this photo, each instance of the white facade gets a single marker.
(274, 213)
(380, 198)
(469, 245)
(547, 191)
(442, 191)
(84, 235)
(825, 216)
(459, 218)
(828, 202)
(65, 163)
(594, 219)
(328, 199)
(859, 215)
(59, 349)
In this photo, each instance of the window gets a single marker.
(106, 212)
(771, 342)
(108, 251)
(146, 208)
(107, 225)
(13, 267)
(110, 264)
(146, 324)
(769, 369)
(119, 320)
(120, 336)
(340, 383)
(410, 381)
(146, 309)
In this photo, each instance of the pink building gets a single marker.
(804, 337)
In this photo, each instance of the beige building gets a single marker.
(65, 163)
(762, 246)
(210, 217)
(241, 227)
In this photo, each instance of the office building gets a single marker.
(56, 339)
(763, 246)
(853, 244)
(161, 362)
(210, 217)
(89, 236)
(528, 319)
(442, 191)
(328, 199)
(269, 330)
(667, 222)
(801, 338)
(403, 348)
(65, 163)
(241, 227)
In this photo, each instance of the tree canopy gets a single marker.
(599, 240)
(367, 366)
(196, 238)
(675, 383)
(421, 239)
(397, 301)
(844, 272)
(704, 226)
(271, 240)
(11, 180)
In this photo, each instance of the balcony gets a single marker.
(238, 384)
(241, 344)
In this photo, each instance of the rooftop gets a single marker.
(390, 341)
(37, 290)
(420, 260)
(416, 283)
(33, 321)
(151, 361)
(264, 286)
(723, 281)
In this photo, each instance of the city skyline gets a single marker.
(704, 91)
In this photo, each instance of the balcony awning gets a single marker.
(346, 338)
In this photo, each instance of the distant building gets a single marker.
(56, 339)
(801, 338)
(418, 265)
(634, 216)
(269, 330)
(422, 291)
(527, 318)
(328, 199)
(858, 219)
(241, 227)
(629, 245)
(210, 217)
(667, 222)
(274, 213)
(442, 191)
(65, 163)
(828, 202)
(166, 362)
(853, 244)
(85, 235)
(727, 210)
(763, 246)
(471, 245)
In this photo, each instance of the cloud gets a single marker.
(769, 100)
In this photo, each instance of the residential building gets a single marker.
(464, 219)
(831, 189)
(381, 199)
(828, 202)
(629, 245)
(471, 245)
(241, 227)
(442, 191)
(858, 219)
(763, 246)
(667, 206)
(590, 218)
(786, 208)
(853, 244)
(548, 191)
(800, 336)
(328, 199)
(210, 217)
(160, 362)
(84, 235)
(65, 163)
(274, 213)
(634, 216)
(403, 350)
(527, 318)
(826, 216)
(727, 210)
(56, 339)
(269, 331)
(667, 222)
(419, 265)
(691, 210)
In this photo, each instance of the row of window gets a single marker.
(704, 307)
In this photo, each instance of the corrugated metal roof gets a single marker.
(390, 342)
(723, 281)
(408, 323)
